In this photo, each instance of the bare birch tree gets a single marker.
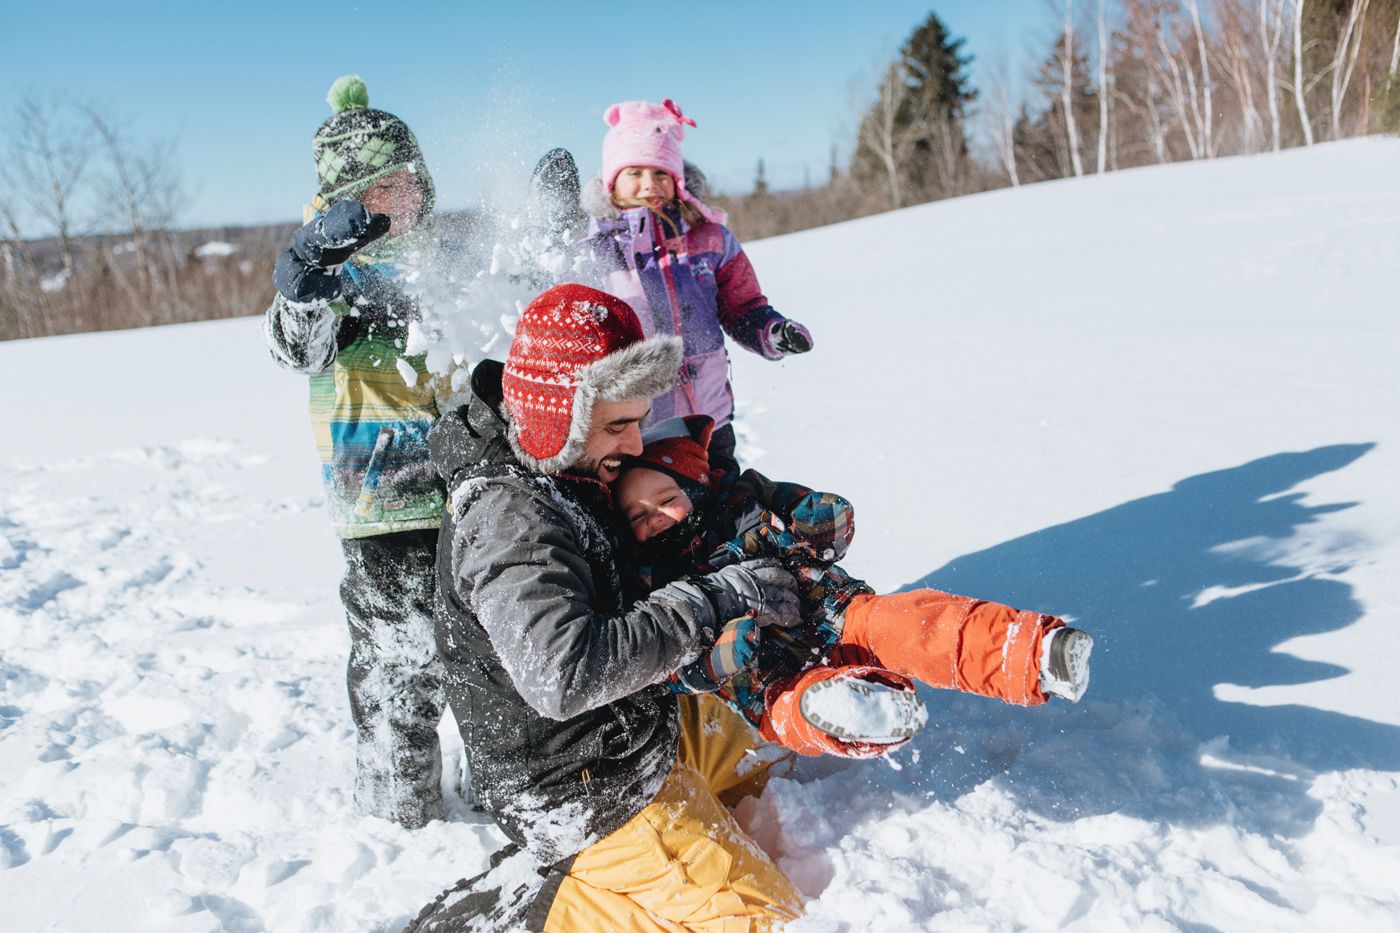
(1067, 87)
(1139, 87)
(1344, 59)
(1179, 79)
(1271, 37)
(48, 157)
(141, 194)
(1000, 114)
(1207, 92)
(1298, 87)
(1235, 28)
(886, 135)
(1104, 95)
(1394, 56)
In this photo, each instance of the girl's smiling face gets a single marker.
(642, 183)
(650, 501)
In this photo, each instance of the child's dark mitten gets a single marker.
(338, 234)
(305, 273)
(791, 337)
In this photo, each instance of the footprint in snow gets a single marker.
(14, 551)
(47, 591)
(275, 871)
(13, 851)
(282, 738)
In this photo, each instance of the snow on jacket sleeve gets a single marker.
(744, 312)
(517, 563)
(301, 337)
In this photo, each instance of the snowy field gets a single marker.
(1161, 403)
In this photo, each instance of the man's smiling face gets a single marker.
(614, 433)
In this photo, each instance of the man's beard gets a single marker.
(590, 468)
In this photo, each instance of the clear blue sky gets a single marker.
(486, 88)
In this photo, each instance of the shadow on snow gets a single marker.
(1183, 591)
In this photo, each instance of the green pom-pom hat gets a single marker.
(348, 93)
(358, 144)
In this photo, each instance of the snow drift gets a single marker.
(1163, 403)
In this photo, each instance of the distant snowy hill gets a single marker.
(1161, 402)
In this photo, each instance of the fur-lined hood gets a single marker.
(575, 345)
(482, 429)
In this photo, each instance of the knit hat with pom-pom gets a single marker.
(359, 144)
(575, 345)
(649, 135)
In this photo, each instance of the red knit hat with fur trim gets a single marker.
(679, 447)
(573, 345)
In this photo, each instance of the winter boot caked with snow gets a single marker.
(1064, 663)
(854, 711)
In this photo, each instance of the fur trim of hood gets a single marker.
(596, 202)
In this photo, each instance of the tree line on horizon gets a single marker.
(112, 256)
(1116, 84)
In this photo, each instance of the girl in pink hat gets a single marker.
(669, 255)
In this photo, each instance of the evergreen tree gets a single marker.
(936, 70)
(760, 182)
(933, 94)
(1044, 141)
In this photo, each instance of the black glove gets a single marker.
(791, 337)
(762, 588)
(305, 273)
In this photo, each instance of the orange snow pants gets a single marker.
(683, 863)
(936, 638)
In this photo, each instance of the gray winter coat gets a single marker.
(553, 671)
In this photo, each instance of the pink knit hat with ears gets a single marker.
(647, 134)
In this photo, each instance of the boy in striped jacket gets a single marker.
(341, 317)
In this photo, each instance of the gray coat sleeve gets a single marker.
(301, 337)
(516, 563)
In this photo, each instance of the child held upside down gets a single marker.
(841, 682)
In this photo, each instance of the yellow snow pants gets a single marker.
(683, 863)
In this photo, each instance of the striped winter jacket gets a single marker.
(369, 423)
(694, 282)
(755, 517)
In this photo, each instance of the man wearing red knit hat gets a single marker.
(606, 786)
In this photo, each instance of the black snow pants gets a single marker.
(395, 677)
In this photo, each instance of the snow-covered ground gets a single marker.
(1160, 402)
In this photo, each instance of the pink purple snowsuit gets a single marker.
(698, 285)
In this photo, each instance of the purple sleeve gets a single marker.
(744, 312)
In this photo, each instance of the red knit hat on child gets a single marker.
(573, 345)
(649, 135)
(678, 447)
